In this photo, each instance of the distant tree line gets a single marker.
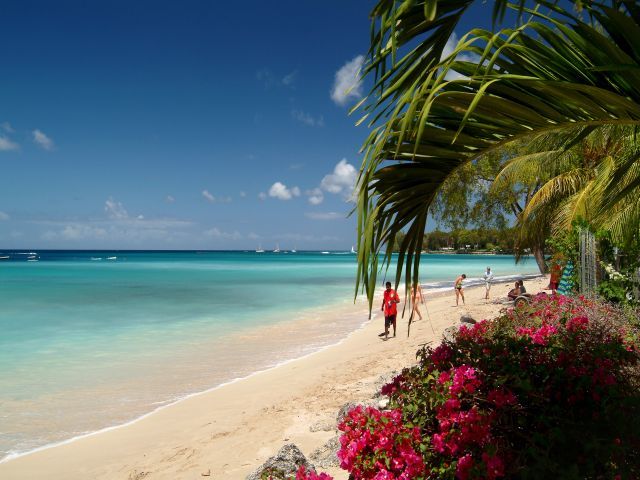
(464, 239)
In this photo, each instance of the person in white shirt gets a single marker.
(488, 277)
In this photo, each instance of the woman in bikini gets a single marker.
(458, 288)
(416, 299)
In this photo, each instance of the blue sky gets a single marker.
(179, 125)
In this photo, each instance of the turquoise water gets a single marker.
(94, 339)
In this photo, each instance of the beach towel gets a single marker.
(567, 284)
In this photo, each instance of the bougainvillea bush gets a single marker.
(549, 391)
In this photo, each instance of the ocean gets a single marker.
(94, 339)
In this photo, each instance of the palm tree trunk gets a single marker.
(538, 253)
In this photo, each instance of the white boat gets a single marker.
(112, 258)
(353, 250)
(277, 249)
(4, 257)
(259, 249)
(294, 251)
(325, 253)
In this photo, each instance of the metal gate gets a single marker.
(587, 262)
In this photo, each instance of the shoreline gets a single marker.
(144, 444)
(345, 309)
(172, 403)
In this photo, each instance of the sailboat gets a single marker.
(294, 250)
(259, 249)
(277, 249)
(353, 250)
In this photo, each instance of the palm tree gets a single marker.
(554, 73)
(572, 183)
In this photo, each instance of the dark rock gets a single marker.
(468, 319)
(326, 456)
(283, 465)
(449, 334)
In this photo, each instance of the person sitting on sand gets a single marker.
(416, 300)
(390, 301)
(458, 288)
(522, 289)
(515, 292)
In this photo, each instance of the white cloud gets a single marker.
(449, 47)
(216, 233)
(42, 140)
(6, 145)
(262, 196)
(307, 118)
(79, 232)
(213, 199)
(325, 215)
(290, 78)
(169, 199)
(208, 196)
(342, 180)
(115, 210)
(347, 84)
(6, 126)
(269, 79)
(282, 192)
(3, 216)
(316, 197)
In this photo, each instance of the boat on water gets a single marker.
(4, 257)
(112, 258)
(325, 253)
(353, 250)
(259, 249)
(277, 249)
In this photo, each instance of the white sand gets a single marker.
(229, 431)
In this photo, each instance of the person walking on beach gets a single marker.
(416, 300)
(488, 277)
(390, 301)
(458, 288)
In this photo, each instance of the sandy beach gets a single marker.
(229, 431)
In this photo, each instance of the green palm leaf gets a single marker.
(553, 75)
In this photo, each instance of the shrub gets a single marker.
(551, 391)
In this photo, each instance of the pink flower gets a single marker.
(464, 466)
(302, 474)
(495, 466)
(440, 355)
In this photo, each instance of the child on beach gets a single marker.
(390, 301)
(416, 300)
(458, 288)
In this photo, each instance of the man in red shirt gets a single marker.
(389, 301)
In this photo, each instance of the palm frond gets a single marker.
(554, 74)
